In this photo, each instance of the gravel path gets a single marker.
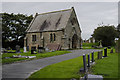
(25, 69)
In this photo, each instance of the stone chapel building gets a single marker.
(54, 30)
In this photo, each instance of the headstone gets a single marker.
(101, 54)
(98, 55)
(88, 60)
(92, 56)
(46, 49)
(84, 62)
(100, 44)
(25, 49)
(17, 48)
(111, 51)
(33, 50)
(105, 52)
(9, 48)
(109, 47)
(40, 49)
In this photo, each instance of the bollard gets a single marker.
(84, 62)
(92, 56)
(88, 60)
(105, 52)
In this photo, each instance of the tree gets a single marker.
(118, 30)
(13, 29)
(106, 34)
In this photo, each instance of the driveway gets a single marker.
(25, 69)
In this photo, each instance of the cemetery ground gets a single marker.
(8, 57)
(107, 67)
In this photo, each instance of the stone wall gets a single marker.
(63, 36)
(72, 29)
(43, 40)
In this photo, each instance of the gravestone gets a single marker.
(111, 51)
(84, 69)
(40, 49)
(84, 62)
(92, 56)
(88, 60)
(98, 55)
(25, 49)
(100, 44)
(101, 54)
(33, 50)
(109, 47)
(105, 52)
(17, 49)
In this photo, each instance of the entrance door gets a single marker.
(74, 41)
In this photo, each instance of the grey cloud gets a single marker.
(89, 14)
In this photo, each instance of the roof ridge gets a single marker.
(54, 11)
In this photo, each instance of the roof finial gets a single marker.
(72, 8)
(36, 14)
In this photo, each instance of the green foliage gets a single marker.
(13, 28)
(39, 55)
(105, 33)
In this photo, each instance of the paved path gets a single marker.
(24, 69)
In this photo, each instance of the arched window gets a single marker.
(51, 37)
(54, 36)
(33, 38)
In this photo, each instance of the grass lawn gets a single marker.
(65, 69)
(108, 67)
(39, 55)
(89, 45)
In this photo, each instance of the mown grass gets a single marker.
(107, 67)
(90, 44)
(38, 56)
(66, 69)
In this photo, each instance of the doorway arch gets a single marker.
(74, 41)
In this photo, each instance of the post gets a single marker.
(105, 52)
(88, 60)
(84, 62)
(92, 56)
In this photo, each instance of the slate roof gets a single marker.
(56, 20)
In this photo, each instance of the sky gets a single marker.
(89, 14)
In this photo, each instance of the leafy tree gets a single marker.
(118, 30)
(106, 34)
(13, 29)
